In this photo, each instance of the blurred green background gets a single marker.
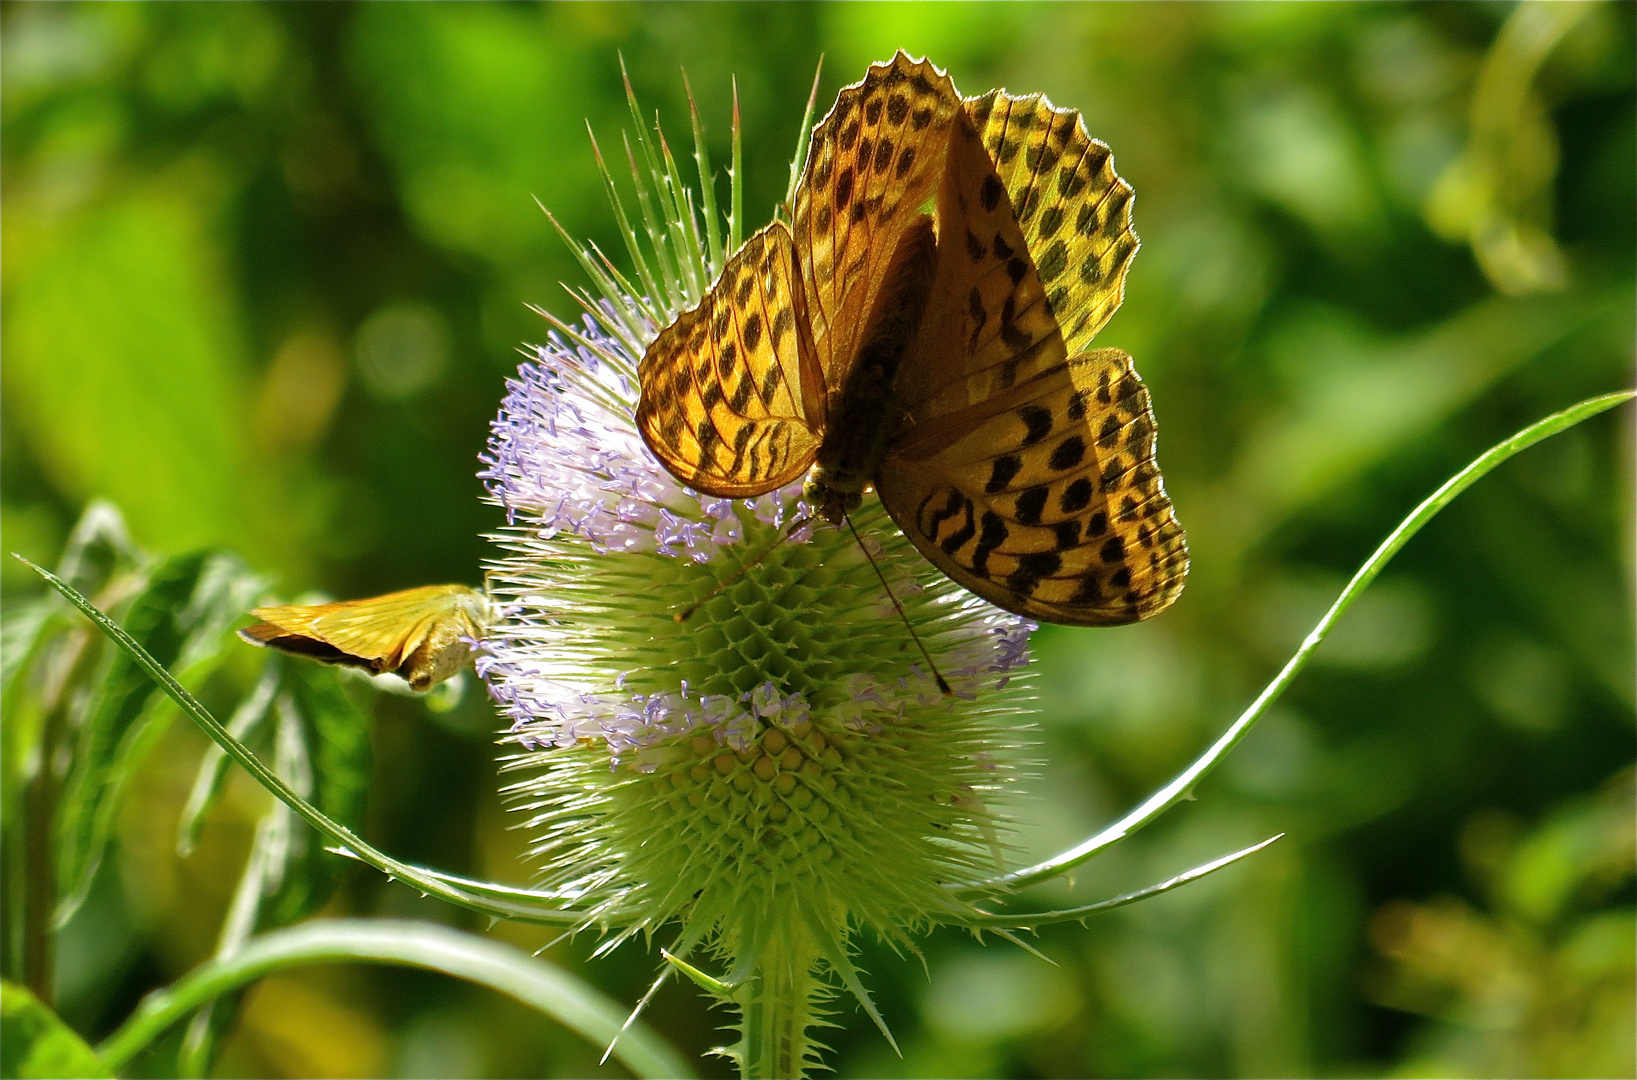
(265, 269)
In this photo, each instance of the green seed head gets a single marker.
(782, 750)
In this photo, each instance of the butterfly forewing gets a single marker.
(874, 160)
(730, 391)
(1052, 507)
(421, 634)
(1074, 211)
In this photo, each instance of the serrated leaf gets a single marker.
(34, 1042)
(181, 618)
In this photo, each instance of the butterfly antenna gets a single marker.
(687, 612)
(942, 685)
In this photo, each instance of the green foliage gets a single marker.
(35, 1043)
(181, 617)
(491, 964)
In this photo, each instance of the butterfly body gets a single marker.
(865, 416)
(939, 359)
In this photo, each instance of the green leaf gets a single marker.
(182, 616)
(335, 738)
(207, 782)
(98, 552)
(322, 751)
(501, 967)
(152, 412)
(34, 1042)
(1080, 914)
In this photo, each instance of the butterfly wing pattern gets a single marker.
(1072, 207)
(1052, 507)
(873, 161)
(727, 405)
(420, 634)
(1019, 462)
(1030, 476)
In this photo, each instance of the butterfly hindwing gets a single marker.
(875, 158)
(1051, 506)
(729, 402)
(1075, 212)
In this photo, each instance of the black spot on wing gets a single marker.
(1038, 420)
(992, 190)
(1030, 504)
(1069, 453)
(1001, 472)
(1076, 497)
(994, 535)
(954, 541)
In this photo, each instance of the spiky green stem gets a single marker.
(778, 1007)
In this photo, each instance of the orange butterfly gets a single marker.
(421, 635)
(938, 358)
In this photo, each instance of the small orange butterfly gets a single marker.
(421, 635)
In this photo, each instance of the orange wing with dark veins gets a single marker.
(1049, 503)
(1028, 473)
(732, 400)
(1073, 209)
(875, 159)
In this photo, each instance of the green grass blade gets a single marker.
(183, 613)
(736, 182)
(212, 772)
(630, 304)
(627, 308)
(1179, 788)
(707, 186)
(505, 968)
(673, 297)
(337, 834)
(804, 139)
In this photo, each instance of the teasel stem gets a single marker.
(778, 1007)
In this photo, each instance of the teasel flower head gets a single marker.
(780, 768)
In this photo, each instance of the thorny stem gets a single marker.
(777, 1011)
